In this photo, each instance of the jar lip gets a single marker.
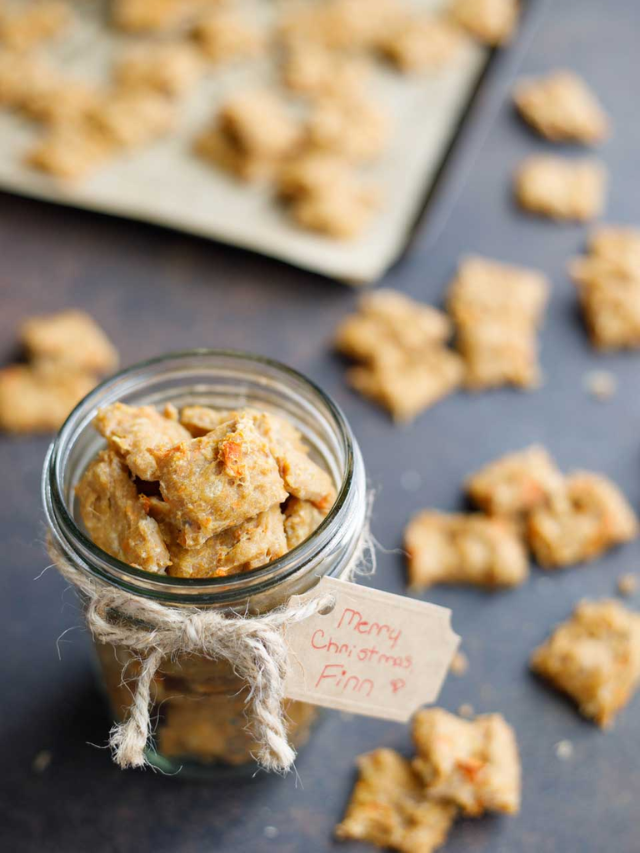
(309, 547)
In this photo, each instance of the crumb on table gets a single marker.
(628, 584)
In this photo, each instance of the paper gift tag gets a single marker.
(375, 653)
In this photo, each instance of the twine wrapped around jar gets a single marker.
(254, 646)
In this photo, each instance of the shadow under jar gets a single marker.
(200, 703)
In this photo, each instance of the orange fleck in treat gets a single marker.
(115, 518)
(594, 657)
(70, 339)
(389, 808)
(464, 549)
(422, 44)
(490, 21)
(354, 128)
(472, 764)
(170, 68)
(589, 516)
(562, 108)
(228, 36)
(561, 189)
(135, 432)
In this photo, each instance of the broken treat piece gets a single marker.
(516, 483)
(314, 70)
(342, 211)
(301, 518)
(200, 420)
(115, 518)
(70, 339)
(26, 29)
(474, 764)
(253, 543)
(388, 807)
(227, 37)
(170, 68)
(594, 657)
(561, 189)
(354, 128)
(151, 16)
(135, 432)
(464, 549)
(562, 108)
(589, 516)
(218, 481)
(492, 22)
(38, 398)
(422, 44)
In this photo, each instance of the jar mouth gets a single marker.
(141, 582)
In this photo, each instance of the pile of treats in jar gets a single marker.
(66, 353)
(307, 135)
(201, 492)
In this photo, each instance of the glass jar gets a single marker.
(200, 703)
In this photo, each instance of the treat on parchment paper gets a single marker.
(226, 36)
(560, 188)
(342, 210)
(492, 22)
(594, 657)
(170, 68)
(497, 309)
(426, 43)
(353, 127)
(464, 549)
(311, 69)
(156, 16)
(561, 107)
(27, 28)
(388, 807)
(474, 764)
(587, 517)
(608, 283)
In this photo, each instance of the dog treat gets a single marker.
(26, 29)
(585, 519)
(354, 128)
(562, 108)
(169, 68)
(301, 518)
(39, 398)
(341, 24)
(464, 549)
(422, 44)
(608, 282)
(69, 339)
(131, 119)
(343, 211)
(516, 483)
(472, 764)
(388, 807)
(311, 69)
(492, 22)
(497, 309)
(228, 36)
(594, 657)
(151, 16)
(561, 189)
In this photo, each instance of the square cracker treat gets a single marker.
(497, 353)
(69, 339)
(490, 21)
(516, 483)
(589, 516)
(562, 108)
(388, 807)
(355, 128)
(71, 152)
(218, 481)
(474, 764)
(341, 210)
(114, 515)
(129, 119)
(425, 43)
(25, 30)
(151, 16)
(594, 657)
(134, 432)
(170, 68)
(228, 36)
(314, 70)
(561, 189)
(464, 549)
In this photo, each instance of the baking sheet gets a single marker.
(167, 185)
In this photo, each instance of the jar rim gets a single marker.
(126, 576)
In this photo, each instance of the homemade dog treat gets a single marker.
(311, 69)
(420, 44)
(464, 549)
(474, 764)
(490, 21)
(594, 657)
(155, 16)
(26, 28)
(608, 283)
(227, 36)
(170, 68)
(561, 189)
(341, 210)
(69, 339)
(240, 494)
(586, 518)
(388, 807)
(562, 108)
(352, 127)
(497, 309)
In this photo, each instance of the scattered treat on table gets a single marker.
(561, 189)
(516, 483)
(227, 36)
(497, 309)
(492, 22)
(585, 519)
(354, 128)
(459, 664)
(388, 807)
(314, 70)
(601, 384)
(422, 44)
(170, 68)
(27, 28)
(628, 584)
(239, 495)
(155, 16)
(562, 108)
(464, 549)
(608, 283)
(594, 657)
(472, 764)
(69, 339)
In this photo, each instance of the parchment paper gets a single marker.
(167, 185)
